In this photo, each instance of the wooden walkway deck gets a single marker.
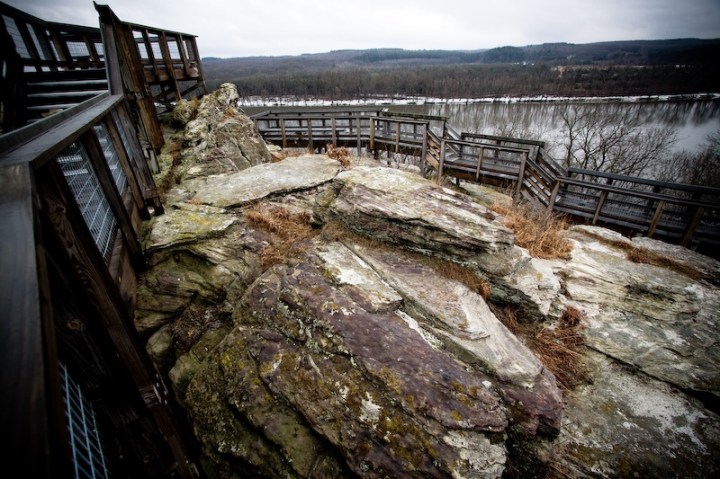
(676, 213)
(79, 127)
(49, 67)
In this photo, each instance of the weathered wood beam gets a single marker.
(30, 416)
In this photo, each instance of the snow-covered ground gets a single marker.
(291, 101)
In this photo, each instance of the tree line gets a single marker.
(474, 81)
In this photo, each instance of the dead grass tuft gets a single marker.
(558, 347)
(539, 231)
(340, 154)
(287, 230)
(571, 316)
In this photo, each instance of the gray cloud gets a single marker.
(228, 28)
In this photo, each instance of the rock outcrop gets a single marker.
(368, 350)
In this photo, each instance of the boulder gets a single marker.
(627, 425)
(358, 354)
(220, 139)
(662, 321)
(328, 339)
(409, 211)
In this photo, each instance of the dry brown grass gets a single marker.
(287, 230)
(340, 154)
(539, 231)
(558, 347)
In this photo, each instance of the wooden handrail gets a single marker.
(470, 156)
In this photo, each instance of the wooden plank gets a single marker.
(102, 294)
(149, 190)
(50, 144)
(30, 410)
(643, 181)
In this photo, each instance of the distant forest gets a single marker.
(681, 66)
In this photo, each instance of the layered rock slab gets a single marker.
(660, 320)
(260, 181)
(329, 339)
(407, 210)
(628, 425)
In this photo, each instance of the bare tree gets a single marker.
(613, 140)
(699, 168)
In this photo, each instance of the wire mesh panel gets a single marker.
(16, 36)
(112, 157)
(78, 49)
(75, 165)
(88, 457)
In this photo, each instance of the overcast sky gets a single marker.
(233, 28)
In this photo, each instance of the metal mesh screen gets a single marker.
(83, 182)
(123, 134)
(17, 38)
(85, 442)
(78, 49)
(174, 49)
(111, 156)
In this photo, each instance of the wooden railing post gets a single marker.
(397, 136)
(553, 195)
(656, 218)
(521, 175)
(442, 160)
(372, 134)
(359, 136)
(423, 152)
(334, 132)
(481, 154)
(310, 135)
(283, 132)
(601, 202)
(693, 225)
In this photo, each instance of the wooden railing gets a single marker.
(49, 67)
(73, 193)
(46, 66)
(75, 187)
(684, 214)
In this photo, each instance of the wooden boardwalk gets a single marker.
(676, 213)
(79, 126)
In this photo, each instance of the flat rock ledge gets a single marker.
(252, 184)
